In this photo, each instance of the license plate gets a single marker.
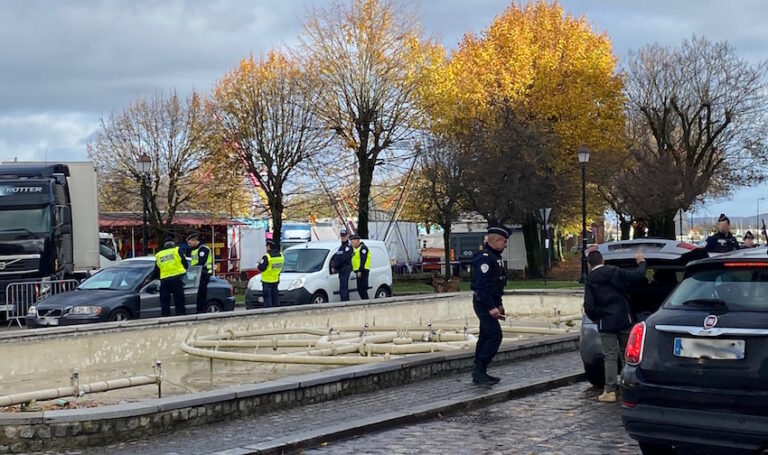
(696, 348)
(50, 321)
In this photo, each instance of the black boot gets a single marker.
(495, 379)
(480, 377)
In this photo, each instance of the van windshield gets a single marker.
(304, 260)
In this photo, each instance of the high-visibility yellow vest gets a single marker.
(357, 257)
(209, 261)
(274, 266)
(169, 263)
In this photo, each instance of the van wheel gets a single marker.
(120, 314)
(656, 449)
(382, 293)
(318, 297)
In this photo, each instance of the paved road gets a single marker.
(281, 424)
(568, 420)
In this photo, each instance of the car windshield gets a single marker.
(115, 278)
(304, 260)
(741, 287)
(31, 220)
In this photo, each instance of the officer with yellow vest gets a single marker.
(361, 265)
(270, 266)
(201, 255)
(171, 266)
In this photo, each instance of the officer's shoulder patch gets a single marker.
(484, 268)
(485, 254)
(364, 250)
(346, 249)
(202, 253)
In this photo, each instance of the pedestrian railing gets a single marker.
(20, 296)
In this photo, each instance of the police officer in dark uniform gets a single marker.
(722, 241)
(489, 276)
(361, 265)
(749, 240)
(342, 264)
(201, 255)
(171, 266)
(270, 266)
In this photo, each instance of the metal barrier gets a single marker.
(20, 296)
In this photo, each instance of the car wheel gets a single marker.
(120, 314)
(214, 307)
(382, 293)
(648, 448)
(595, 374)
(318, 297)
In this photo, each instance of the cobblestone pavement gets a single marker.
(275, 425)
(568, 420)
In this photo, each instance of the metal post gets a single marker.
(144, 218)
(681, 225)
(583, 223)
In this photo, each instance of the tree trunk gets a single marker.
(366, 178)
(276, 210)
(662, 225)
(532, 246)
(625, 226)
(447, 250)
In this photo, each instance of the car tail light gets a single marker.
(745, 265)
(231, 290)
(687, 246)
(635, 344)
(628, 404)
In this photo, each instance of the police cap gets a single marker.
(354, 237)
(193, 236)
(271, 243)
(749, 235)
(498, 230)
(723, 218)
(343, 232)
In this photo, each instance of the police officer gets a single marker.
(749, 240)
(342, 264)
(201, 255)
(361, 265)
(171, 266)
(489, 276)
(271, 265)
(722, 241)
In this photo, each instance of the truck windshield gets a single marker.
(304, 260)
(32, 220)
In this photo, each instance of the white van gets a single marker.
(306, 276)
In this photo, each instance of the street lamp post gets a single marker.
(757, 220)
(144, 165)
(583, 154)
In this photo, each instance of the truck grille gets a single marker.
(10, 266)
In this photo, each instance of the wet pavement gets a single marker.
(568, 420)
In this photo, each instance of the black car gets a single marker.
(666, 261)
(697, 370)
(124, 291)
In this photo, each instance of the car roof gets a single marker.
(332, 244)
(657, 252)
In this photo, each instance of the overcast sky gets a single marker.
(64, 64)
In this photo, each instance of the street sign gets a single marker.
(545, 215)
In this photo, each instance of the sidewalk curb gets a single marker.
(468, 401)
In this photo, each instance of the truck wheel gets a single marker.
(214, 307)
(656, 449)
(595, 374)
(382, 293)
(120, 314)
(318, 297)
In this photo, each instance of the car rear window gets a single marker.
(741, 287)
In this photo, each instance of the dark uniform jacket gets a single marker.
(605, 299)
(489, 277)
(721, 243)
(342, 259)
(202, 256)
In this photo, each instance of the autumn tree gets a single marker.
(169, 129)
(697, 114)
(264, 108)
(369, 57)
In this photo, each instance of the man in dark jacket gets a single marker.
(341, 263)
(605, 303)
(722, 241)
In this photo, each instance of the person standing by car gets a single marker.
(722, 241)
(201, 255)
(171, 266)
(342, 264)
(270, 266)
(749, 240)
(489, 276)
(605, 303)
(361, 265)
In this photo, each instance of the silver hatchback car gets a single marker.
(666, 261)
